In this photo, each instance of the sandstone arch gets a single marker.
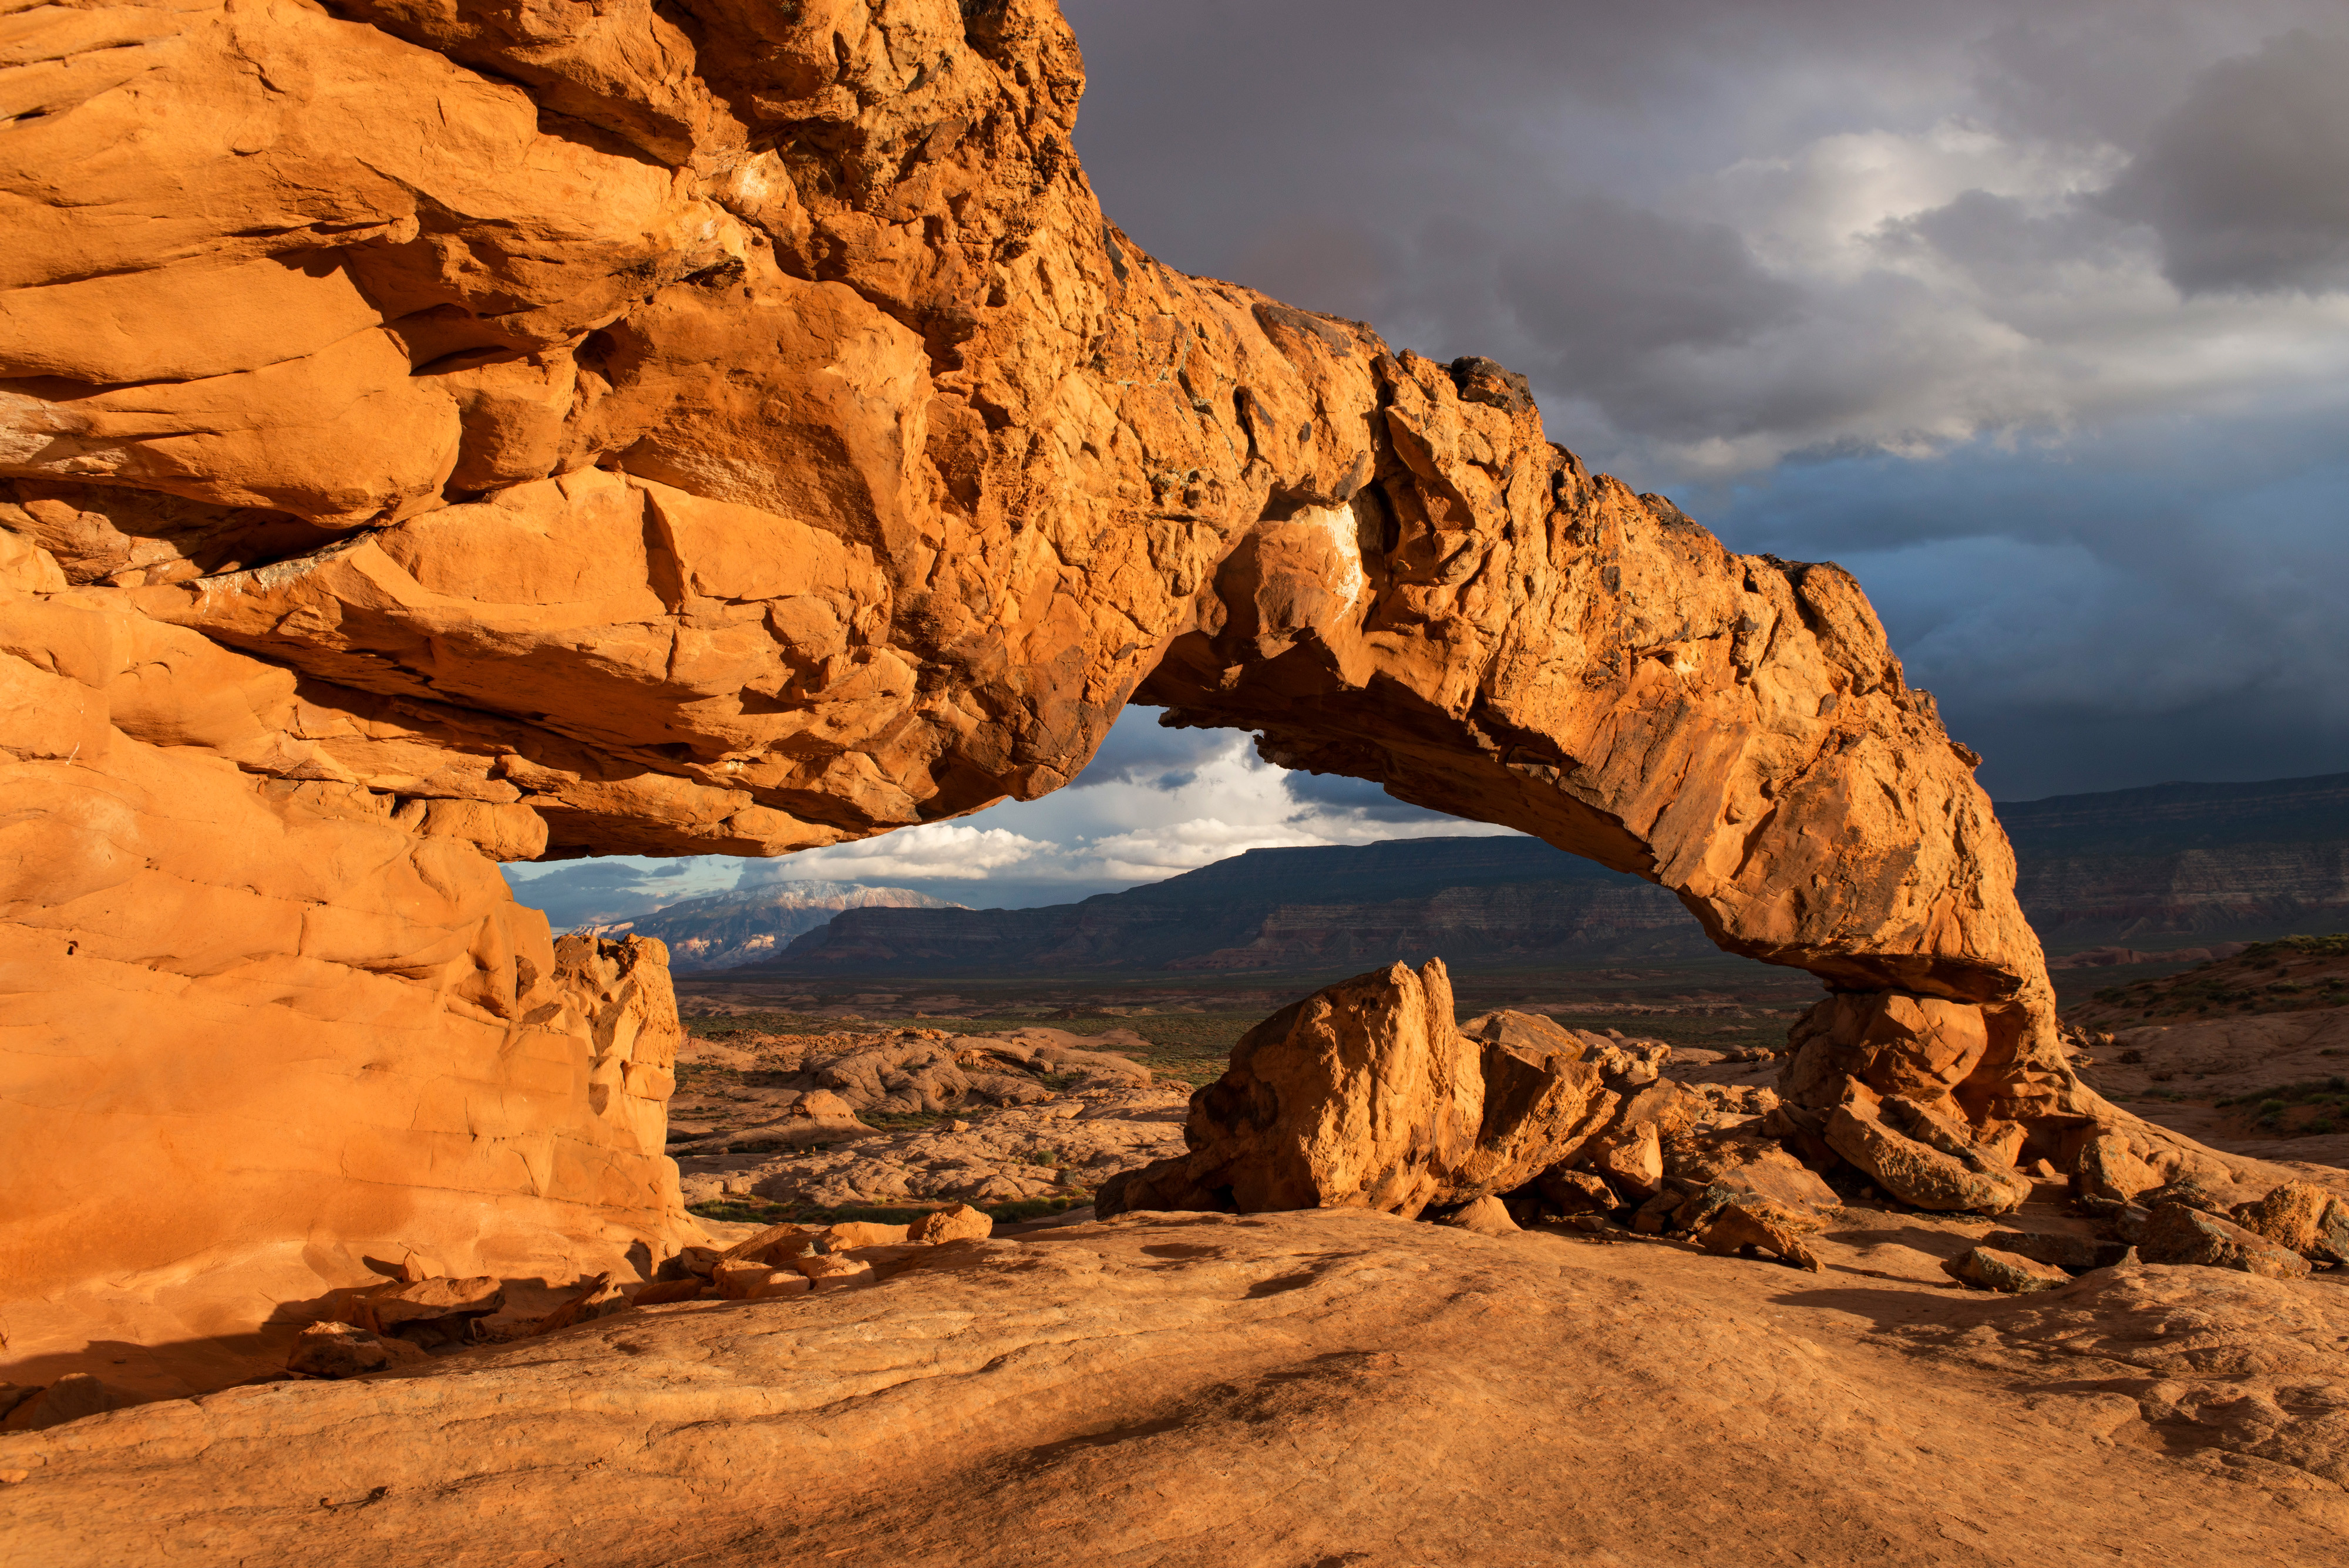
(437, 434)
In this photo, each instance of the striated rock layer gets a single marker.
(436, 433)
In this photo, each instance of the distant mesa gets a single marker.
(2180, 865)
(1487, 901)
(728, 931)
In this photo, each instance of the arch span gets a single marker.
(733, 429)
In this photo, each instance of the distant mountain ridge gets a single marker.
(2241, 862)
(726, 931)
(1476, 901)
(2165, 866)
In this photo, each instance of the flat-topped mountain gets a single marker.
(2151, 868)
(1475, 900)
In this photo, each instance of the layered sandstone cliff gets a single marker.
(435, 434)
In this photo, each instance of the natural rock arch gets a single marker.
(429, 436)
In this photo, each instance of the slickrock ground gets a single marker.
(1034, 1113)
(1281, 1390)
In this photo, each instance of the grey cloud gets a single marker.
(2246, 181)
(1604, 284)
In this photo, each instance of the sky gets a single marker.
(2035, 317)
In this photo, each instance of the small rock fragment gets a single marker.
(1488, 1216)
(1992, 1269)
(2074, 1255)
(833, 1273)
(343, 1350)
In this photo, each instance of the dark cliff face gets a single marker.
(2226, 862)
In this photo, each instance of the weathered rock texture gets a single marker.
(1282, 1389)
(435, 434)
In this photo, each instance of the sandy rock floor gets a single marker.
(1280, 1390)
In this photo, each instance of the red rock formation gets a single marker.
(439, 433)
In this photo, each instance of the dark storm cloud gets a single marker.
(2019, 310)
(2246, 181)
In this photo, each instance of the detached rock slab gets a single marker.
(2010, 1272)
(2177, 1234)
(1923, 1163)
(2073, 1254)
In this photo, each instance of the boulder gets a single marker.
(661, 1293)
(1744, 1158)
(341, 1350)
(434, 1307)
(2303, 1219)
(1631, 1159)
(586, 1301)
(1731, 1221)
(771, 1245)
(956, 1223)
(831, 1271)
(2109, 1168)
(1565, 1191)
(71, 1398)
(1366, 1094)
(2177, 1234)
(1990, 1269)
(855, 1233)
